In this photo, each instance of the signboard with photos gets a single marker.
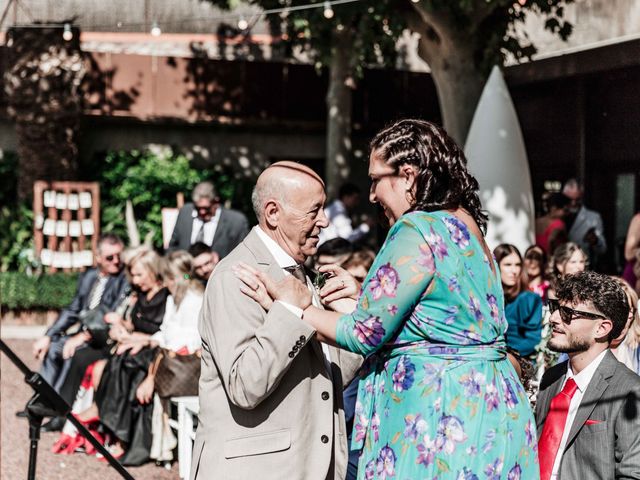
(66, 224)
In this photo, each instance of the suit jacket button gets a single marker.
(295, 348)
(299, 343)
(325, 395)
(324, 439)
(291, 354)
(303, 338)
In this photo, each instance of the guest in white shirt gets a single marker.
(588, 408)
(339, 214)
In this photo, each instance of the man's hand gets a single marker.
(591, 237)
(41, 347)
(133, 346)
(72, 344)
(144, 392)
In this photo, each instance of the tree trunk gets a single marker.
(458, 80)
(339, 106)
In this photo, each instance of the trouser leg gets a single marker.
(52, 363)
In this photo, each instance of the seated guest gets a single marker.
(588, 408)
(567, 259)
(339, 215)
(206, 220)
(359, 263)
(523, 308)
(535, 261)
(178, 333)
(333, 252)
(119, 376)
(626, 347)
(204, 261)
(98, 287)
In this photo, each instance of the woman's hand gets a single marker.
(118, 332)
(144, 392)
(253, 287)
(132, 345)
(112, 318)
(264, 290)
(341, 284)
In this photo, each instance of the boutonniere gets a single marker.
(319, 280)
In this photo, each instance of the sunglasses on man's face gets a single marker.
(568, 314)
(109, 258)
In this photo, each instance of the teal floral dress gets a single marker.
(438, 398)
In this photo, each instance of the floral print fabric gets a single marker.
(439, 399)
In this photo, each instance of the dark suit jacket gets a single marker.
(232, 228)
(113, 292)
(608, 445)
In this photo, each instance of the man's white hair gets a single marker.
(264, 191)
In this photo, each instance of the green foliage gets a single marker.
(16, 245)
(151, 180)
(374, 27)
(41, 292)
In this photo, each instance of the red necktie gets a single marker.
(554, 428)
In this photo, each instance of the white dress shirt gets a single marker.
(582, 380)
(285, 260)
(210, 227)
(180, 325)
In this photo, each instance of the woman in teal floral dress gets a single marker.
(438, 398)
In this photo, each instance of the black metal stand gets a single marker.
(47, 403)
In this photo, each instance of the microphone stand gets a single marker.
(47, 403)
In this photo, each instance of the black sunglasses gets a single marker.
(109, 258)
(568, 314)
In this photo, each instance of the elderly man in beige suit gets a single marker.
(270, 393)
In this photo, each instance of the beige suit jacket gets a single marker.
(268, 407)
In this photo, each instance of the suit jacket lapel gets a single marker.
(596, 388)
(222, 227)
(546, 398)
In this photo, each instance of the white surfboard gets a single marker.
(498, 159)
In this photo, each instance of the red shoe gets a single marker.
(62, 443)
(89, 449)
(76, 444)
(88, 421)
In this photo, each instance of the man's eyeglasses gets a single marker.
(109, 258)
(568, 314)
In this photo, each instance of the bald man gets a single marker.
(270, 393)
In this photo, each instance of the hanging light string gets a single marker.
(326, 6)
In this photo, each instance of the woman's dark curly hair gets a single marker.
(443, 181)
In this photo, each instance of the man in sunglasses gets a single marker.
(100, 286)
(588, 408)
(206, 221)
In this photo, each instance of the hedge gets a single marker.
(39, 292)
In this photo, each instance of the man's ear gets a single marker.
(271, 213)
(604, 330)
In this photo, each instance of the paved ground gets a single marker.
(14, 436)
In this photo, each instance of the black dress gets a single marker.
(115, 397)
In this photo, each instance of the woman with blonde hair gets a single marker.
(626, 347)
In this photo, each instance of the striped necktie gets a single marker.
(298, 272)
(98, 290)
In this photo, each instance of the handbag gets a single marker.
(177, 375)
(93, 322)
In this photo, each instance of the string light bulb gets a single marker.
(415, 1)
(67, 33)
(242, 23)
(328, 11)
(155, 29)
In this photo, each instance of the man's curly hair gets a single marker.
(602, 291)
(443, 181)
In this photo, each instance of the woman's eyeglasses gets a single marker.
(568, 314)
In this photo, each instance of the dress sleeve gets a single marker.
(399, 277)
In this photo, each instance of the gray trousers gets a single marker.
(54, 368)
